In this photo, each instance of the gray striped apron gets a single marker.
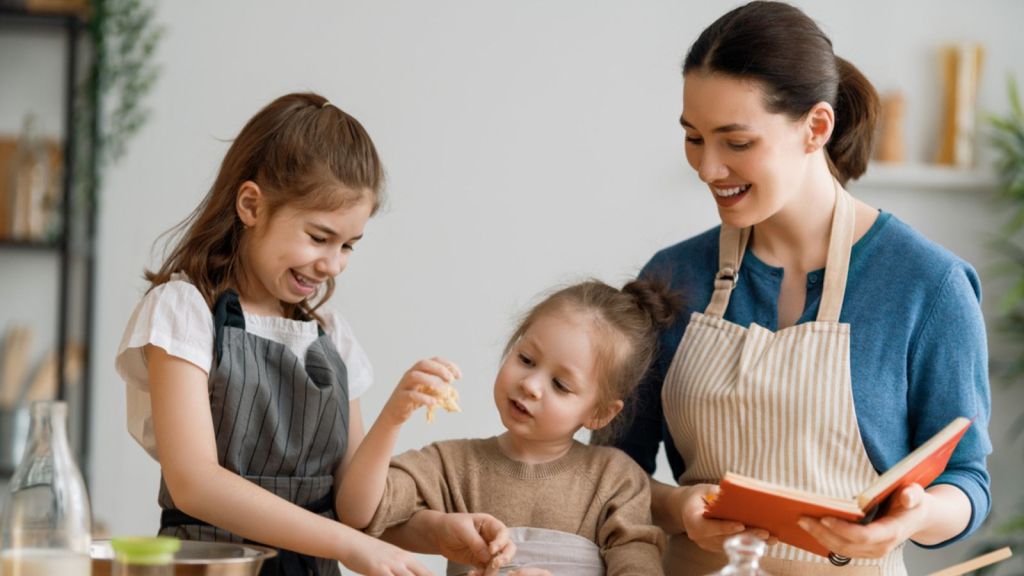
(772, 405)
(279, 424)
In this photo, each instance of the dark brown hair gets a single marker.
(630, 318)
(300, 150)
(788, 55)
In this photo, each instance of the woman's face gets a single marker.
(753, 161)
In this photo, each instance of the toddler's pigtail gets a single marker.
(655, 297)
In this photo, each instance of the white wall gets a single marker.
(527, 143)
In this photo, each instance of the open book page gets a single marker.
(738, 482)
(760, 504)
(921, 466)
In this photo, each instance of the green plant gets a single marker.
(1007, 136)
(1008, 139)
(124, 36)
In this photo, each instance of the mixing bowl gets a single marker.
(196, 558)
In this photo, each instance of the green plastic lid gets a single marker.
(145, 549)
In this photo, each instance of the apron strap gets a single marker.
(732, 243)
(837, 264)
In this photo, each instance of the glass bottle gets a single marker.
(144, 556)
(46, 520)
(745, 554)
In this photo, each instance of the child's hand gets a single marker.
(475, 539)
(422, 385)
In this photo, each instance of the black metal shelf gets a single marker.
(75, 258)
(30, 245)
(21, 17)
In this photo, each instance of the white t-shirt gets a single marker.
(174, 316)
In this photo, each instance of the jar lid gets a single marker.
(145, 549)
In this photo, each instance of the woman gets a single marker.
(828, 339)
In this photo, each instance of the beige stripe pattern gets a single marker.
(774, 405)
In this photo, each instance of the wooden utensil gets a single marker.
(17, 346)
(44, 384)
(975, 563)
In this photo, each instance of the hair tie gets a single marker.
(326, 104)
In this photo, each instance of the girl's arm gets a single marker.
(202, 488)
(356, 433)
(365, 478)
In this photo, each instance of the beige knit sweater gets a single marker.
(596, 492)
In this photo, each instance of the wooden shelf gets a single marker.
(30, 245)
(22, 16)
(926, 177)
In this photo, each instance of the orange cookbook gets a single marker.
(775, 508)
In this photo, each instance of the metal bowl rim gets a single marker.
(263, 553)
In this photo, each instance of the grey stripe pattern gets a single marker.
(278, 423)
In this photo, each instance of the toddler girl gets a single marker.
(571, 508)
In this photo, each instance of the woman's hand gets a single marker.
(420, 386)
(906, 517)
(706, 533)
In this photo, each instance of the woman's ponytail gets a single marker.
(857, 110)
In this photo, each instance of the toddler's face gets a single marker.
(547, 387)
(291, 253)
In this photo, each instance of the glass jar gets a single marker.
(46, 520)
(144, 556)
(745, 554)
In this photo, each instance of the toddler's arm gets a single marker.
(363, 483)
(202, 488)
(479, 540)
(631, 544)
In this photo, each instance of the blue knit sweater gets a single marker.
(918, 349)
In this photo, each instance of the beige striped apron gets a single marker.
(772, 405)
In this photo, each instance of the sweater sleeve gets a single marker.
(416, 481)
(949, 378)
(630, 543)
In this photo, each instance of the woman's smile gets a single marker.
(731, 195)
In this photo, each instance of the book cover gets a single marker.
(775, 508)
